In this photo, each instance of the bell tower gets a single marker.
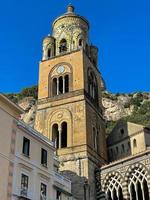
(69, 109)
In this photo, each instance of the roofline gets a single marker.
(125, 159)
(35, 133)
(7, 100)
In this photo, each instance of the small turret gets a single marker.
(48, 47)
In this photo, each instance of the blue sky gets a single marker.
(120, 29)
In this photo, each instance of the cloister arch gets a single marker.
(137, 181)
(112, 185)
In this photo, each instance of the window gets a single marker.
(26, 146)
(55, 135)
(60, 85)
(80, 43)
(49, 53)
(64, 135)
(66, 83)
(129, 146)
(63, 46)
(122, 148)
(122, 131)
(43, 191)
(138, 184)
(24, 185)
(58, 195)
(59, 135)
(113, 187)
(92, 86)
(134, 143)
(44, 157)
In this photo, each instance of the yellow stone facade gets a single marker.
(75, 101)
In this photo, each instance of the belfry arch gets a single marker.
(59, 126)
(60, 79)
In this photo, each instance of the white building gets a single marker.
(31, 172)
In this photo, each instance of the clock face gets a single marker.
(60, 69)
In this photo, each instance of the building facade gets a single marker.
(127, 176)
(69, 108)
(29, 167)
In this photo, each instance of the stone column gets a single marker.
(57, 86)
(136, 191)
(63, 84)
(59, 130)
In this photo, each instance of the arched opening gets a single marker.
(73, 44)
(64, 135)
(139, 190)
(60, 85)
(134, 143)
(123, 150)
(54, 86)
(145, 188)
(80, 43)
(120, 194)
(49, 53)
(133, 193)
(138, 187)
(63, 46)
(113, 187)
(55, 135)
(92, 87)
(109, 195)
(66, 83)
(115, 195)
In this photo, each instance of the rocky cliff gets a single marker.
(133, 107)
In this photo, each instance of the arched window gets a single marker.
(123, 150)
(49, 53)
(60, 85)
(55, 135)
(64, 135)
(59, 135)
(63, 46)
(137, 183)
(66, 83)
(54, 86)
(80, 43)
(113, 187)
(134, 143)
(92, 86)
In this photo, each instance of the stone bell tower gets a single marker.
(69, 109)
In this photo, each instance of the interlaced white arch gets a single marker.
(137, 182)
(113, 186)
